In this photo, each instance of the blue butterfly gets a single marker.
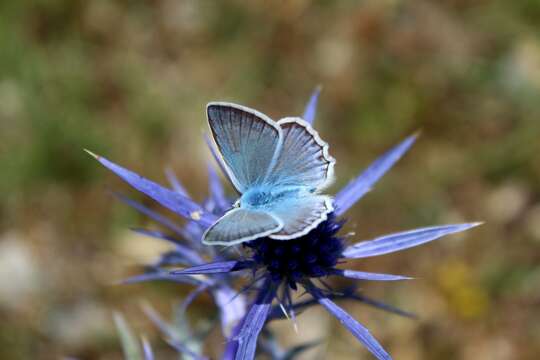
(279, 168)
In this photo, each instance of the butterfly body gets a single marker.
(277, 167)
(265, 196)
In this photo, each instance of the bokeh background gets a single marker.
(130, 80)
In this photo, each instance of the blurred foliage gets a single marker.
(130, 79)
(130, 343)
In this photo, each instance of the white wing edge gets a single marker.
(246, 238)
(330, 171)
(259, 114)
(329, 209)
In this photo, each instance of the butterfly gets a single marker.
(279, 168)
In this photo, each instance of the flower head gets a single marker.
(313, 255)
(278, 267)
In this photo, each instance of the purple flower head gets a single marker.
(313, 255)
(278, 267)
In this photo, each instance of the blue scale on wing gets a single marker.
(303, 159)
(300, 215)
(239, 225)
(298, 211)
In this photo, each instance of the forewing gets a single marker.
(247, 140)
(300, 215)
(240, 225)
(303, 159)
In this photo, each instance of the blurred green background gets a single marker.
(130, 80)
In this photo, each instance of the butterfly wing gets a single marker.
(240, 225)
(303, 160)
(300, 215)
(248, 141)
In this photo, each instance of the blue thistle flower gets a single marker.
(188, 251)
(313, 255)
(278, 267)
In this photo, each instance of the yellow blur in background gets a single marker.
(130, 80)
